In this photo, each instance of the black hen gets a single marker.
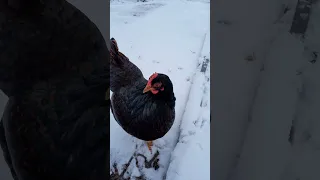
(143, 108)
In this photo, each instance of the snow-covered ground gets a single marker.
(171, 37)
(268, 126)
(190, 159)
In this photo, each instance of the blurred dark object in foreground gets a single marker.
(301, 17)
(54, 67)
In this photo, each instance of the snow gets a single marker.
(304, 153)
(268, 94)
(242, 37)
(170, 37)
(194, 141)
(273, 113)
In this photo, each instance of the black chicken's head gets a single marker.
(159, 84)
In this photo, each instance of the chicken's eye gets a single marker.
(157, 85)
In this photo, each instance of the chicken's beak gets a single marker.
(147, 88)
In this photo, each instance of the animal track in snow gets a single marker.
(191, 133)
(200, 123)
(203, 122)
(160, 143)
(196, 122)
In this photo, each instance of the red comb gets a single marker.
(154, 75)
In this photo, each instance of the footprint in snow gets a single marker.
(200, 123)
(203, 103)
(199, 145)
(208, 79)
(203, 122)
(196, 122)
(191, 133)
(182, 136)
(184, 141)
(160, 143)
(180, 68)
(154, 61)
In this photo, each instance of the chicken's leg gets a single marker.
(150, 144)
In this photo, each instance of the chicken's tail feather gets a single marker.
(116, 56)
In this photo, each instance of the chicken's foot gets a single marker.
(150, 144)
(153, 163)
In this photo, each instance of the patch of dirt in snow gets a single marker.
(148, 6)
(135, 10)
(142, 9)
